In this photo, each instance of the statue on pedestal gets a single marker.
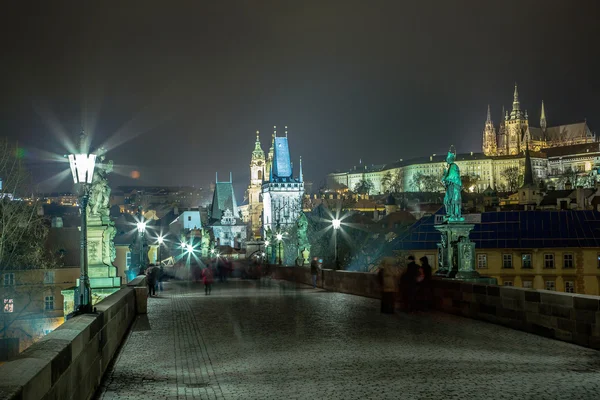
(303, 243)
(100, 190)
(453, 184)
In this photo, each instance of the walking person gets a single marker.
(151, 280)
(425, 283)
(161, 278)
(207, 279)
(314, 270)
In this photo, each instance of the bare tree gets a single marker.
(22, 237)
(511, 175)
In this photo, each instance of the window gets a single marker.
(8, 305)
(568, 260)
(189, 217)
(482, 260)
(508, 283)
(128, 259)
(569, 286)
(528, 284)
(49, 303)
(9, 279)
(550, 285)
(507, 261)
(548, 260)
(526, 260)
(48, 276)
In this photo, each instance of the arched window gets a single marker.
(259, 174)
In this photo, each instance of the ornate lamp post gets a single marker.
(279, 237)
(160, 240)
(336, 223)
(141, 228)
(82, 168)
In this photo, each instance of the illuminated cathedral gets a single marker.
(514, 132)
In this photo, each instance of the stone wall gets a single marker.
(569, 317)
(69, 362)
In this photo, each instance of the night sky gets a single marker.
(178, 89)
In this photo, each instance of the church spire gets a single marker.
(489, 116)
(258, 152)
(543, 118)
(528, 175)
(300, 178)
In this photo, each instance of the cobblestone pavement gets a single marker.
(281, 341)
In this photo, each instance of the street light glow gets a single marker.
(279, 236)
(189, 248)
(336, 223)
(266, 242)
(161, 239)
(141, 226)
(82, 167)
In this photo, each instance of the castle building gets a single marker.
(514, 132)
(281, 192)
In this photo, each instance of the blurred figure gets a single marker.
(151, 280)
(388, 289)
(314, 270)
(424, 284)
(207, 279)
(160, 278)
(408, 284)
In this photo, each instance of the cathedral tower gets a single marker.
(269, 161)
(502, 139)
(257, 176)
(489, 136)
(516, 126)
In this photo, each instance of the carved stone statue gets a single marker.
(100, 190)
(205, 243)
(303, 243)
(453, 185)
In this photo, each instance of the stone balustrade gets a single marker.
(69, 362)
(569, 317)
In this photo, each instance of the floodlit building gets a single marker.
(551, 250)
(225, 218)
(281, 191)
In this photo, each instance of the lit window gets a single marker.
(569, 286)
(568, 260)
(481, 260)
(9, 305)
(548, 260)
(526, 260)
(507, 261)
(49, 303)
(48, 276)
(508, 283)
(528, 284)
(550, 285)
(9, 279)
(128, 260)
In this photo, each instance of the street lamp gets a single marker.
(161, 240)
(141, 228)
(279, 237)
(82, 168)
(336, 223)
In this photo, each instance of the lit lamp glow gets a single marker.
(82, 169)
(279, 237)
(336, 224)
(141, 227)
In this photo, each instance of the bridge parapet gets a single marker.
(568, 317)
(69, 362)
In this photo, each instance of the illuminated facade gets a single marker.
(281, 192)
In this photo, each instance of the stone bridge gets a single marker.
(281, 339)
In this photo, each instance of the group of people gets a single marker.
(154, 279)
(414, 286)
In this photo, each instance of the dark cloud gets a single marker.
(186, 84)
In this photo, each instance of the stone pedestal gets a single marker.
(456, 253)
